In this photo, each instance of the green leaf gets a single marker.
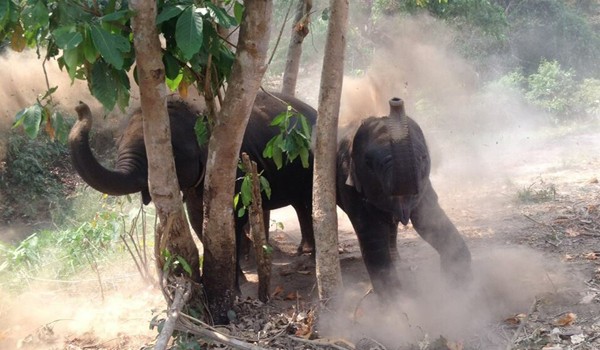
(201, 129)
(172, 66)
(188, 32)
(236, 200)
(306, 129)
(117, 16)
(267, 249)
(265, 186)
(31, 118)
(221, 16)
(59, 125)
(169, 12)
(184, 264)
(241, 212)
(110, 46)
(40, 14)
(49, 92)
(103, 85)
(277, 153)
(246, 191)
(4, 11)
(72, 60)
(279, 119)
(89, 50)
(304, 157)
(238, 11)
(173, 84)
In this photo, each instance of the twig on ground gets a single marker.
(354, 315)
(325, 342)
(182, 293)
(216, 336)
(515, 337)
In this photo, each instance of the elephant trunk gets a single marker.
(402, 179)
(121, 181)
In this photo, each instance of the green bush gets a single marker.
(588, 97)
(36, 179)
(553, 89)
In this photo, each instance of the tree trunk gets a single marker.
(173, 232)
(299, 32)
(329, 278)
(258, 230)
(224, 145)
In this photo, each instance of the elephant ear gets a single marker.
(352, 180)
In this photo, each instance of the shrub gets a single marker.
(553, 89)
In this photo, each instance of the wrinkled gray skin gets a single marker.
(383, 180)
(291, 185)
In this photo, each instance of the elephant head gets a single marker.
(130, 173)
(389, 162)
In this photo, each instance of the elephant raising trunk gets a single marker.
(130, 174)
(383, 180)
(126, 178)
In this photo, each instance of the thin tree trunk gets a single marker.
(257, 228)
(299, 32)
(224, 145)
(173, 232)
(329, 278)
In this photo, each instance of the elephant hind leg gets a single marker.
(307, 242)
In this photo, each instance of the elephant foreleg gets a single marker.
(374, 237)
(432, 223)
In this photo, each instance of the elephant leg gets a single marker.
(374, 230)
(433, 225)
(393, 237)
(307, 243)
(240, 244)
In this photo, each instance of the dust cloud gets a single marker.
(51, 314)
(506, 282)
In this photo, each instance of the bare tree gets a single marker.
(299, 32)
(223, 155)
(329, 276)
(173, 232)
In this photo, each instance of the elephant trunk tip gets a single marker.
(83, 111)
(397, 107)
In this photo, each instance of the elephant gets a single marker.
(290, 185)
(382, 176)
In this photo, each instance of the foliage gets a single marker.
(36, 178)
(552, 88)
(59, 254)
(292, 141)
(588, 97)
(552, 30)
(245, 194)
(92, 41)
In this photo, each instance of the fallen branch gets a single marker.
(331, 343)
(215, 336)
(182, 294)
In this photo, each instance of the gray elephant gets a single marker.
(383, 170)
(291, 185)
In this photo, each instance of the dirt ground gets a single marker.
(530, 215)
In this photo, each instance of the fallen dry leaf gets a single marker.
(592, 255)
(568, 257)
(566, 320)
(571, 232)
(278, 290)
(594, 180)
(292, 296)
(516, 319)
